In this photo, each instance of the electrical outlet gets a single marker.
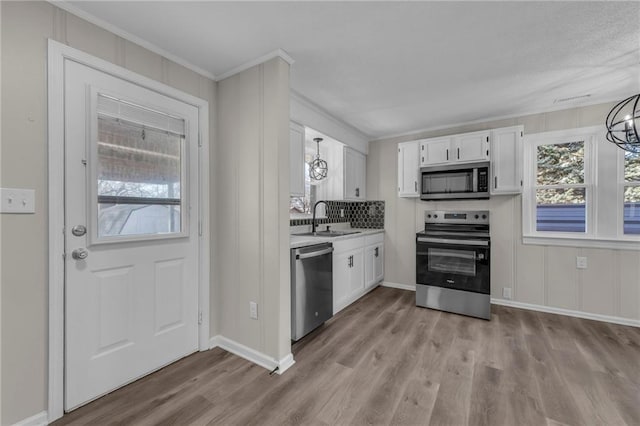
(253, 310)
(341, 212)
(506, 292)
(16, 200)
(581, 262)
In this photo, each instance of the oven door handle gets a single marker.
(454, 242)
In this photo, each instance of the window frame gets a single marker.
(603, 174)
(620, 195)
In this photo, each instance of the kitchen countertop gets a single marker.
(302, 241)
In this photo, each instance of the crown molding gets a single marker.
(278, 53)
(130, 37)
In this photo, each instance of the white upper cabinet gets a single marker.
(296, 160)
(408, 169)
(435, 151)
(506, 160)
(355, 165)
(471, 147)
(464, 148)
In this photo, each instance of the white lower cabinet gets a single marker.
(356, 268)
(373, 260)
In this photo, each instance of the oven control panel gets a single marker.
(459, 217)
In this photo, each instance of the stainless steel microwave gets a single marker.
(455, 181)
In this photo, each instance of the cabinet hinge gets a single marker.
(200, 317)
(398, 149)
(64, 256)
(200, 228)
(521, 134)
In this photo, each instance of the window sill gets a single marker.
(586, 242)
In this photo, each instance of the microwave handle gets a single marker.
(474, 176)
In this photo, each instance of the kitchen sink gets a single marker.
(326, 233)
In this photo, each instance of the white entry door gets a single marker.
(131, 232)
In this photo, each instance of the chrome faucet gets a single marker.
(313, 221)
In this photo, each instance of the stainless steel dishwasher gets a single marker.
(311, 288)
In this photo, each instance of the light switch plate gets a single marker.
(16, 200)
(253, 310)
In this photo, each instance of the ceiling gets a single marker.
(389, 68)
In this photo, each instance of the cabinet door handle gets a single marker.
(415, 185)
(495, 182)
(447, 154)
(458, 153)
(357, 192)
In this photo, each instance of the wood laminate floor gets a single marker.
(385, 361)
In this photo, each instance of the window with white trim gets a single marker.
(580, 190)
(631, 194)
(561, 187)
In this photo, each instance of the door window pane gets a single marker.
(459, 262)
(561, 210)
(560, 164)
(139, 171)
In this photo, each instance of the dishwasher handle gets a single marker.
(314, 253)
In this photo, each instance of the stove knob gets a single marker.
(435, 216)
(484, 216)
(429, 215)
(477, 216)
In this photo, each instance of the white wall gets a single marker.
(540, 275)
(25, 27)
(252, 184)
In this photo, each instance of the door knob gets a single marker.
(80, 253)
(79, 230)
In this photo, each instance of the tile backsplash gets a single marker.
(360, 214)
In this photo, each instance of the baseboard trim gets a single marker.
(285, 363)
(540, 308)
(251, 355)
(410, 287)
(39, 419)
(567, 312)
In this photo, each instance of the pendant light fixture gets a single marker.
(622, 124)
(318, 167)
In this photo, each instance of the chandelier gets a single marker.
(318, 167)
(622, 124)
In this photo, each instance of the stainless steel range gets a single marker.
(453, 263)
